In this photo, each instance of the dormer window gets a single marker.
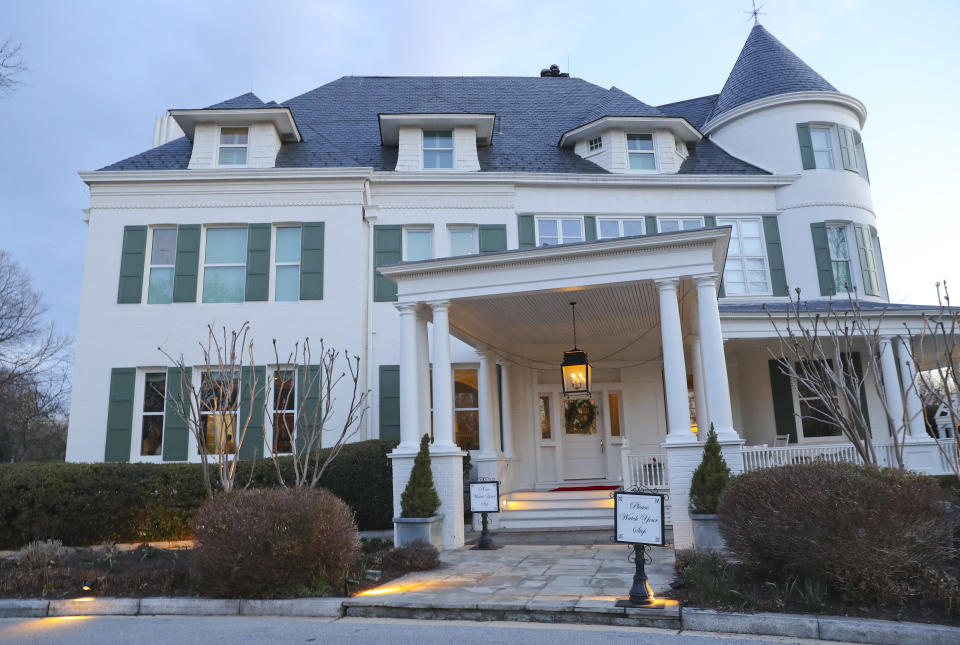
(640, 151)
(596, 144)
(233, 147)
(438, 149)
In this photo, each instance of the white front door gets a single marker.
(582, 441)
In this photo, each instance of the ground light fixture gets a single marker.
(576, 368)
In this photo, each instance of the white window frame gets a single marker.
(680, 219)
(452, 149)
(742, 258)
(831, 137)
(595, 144)
(454, 228)
(140, 390)
(559, 219)
(151, 265)
(620, 221)
(274, 263)
(423, 228)
(245, 146)
(202, 270)
(801, 438)
(652, 152)
(272, 410)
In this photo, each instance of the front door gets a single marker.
(582, 441)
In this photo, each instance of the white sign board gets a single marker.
(639, 518)
(484, 497)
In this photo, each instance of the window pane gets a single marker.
(288, 244)
(226, 246)
(232, 156)
(547, 227)
(224, 284)
(572, 230)
(160, 291)
(820, 137)
(437, 139)
(642, 161)
(751, 228)
(220, 429)
(669, 225)
(236, 136)
(548, 241)
(752, 246)
(164, 249)
(465, 392)
(732, 288)
(283, 390)
(614, 403)
(691, 224)
(632, 227)
(283, 431)
(151, 436)
(442, 159)
(288, 283)
(841, 277)
(546, 430)
(463, 241)
(640, 142)
(823, 159)
(838, 243)
(467, 429)
(734, 248)
(419, 245)
(153, 392)
(609, 228)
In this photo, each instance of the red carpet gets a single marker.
(569, 488)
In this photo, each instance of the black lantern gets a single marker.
(575, 367)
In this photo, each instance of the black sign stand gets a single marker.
(640, 594)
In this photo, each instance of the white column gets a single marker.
(714, 360)
(674, 367)
(410, 427)
(891, 385)
(423, 367)
(908, 373)
(700, 399)
(507, 425)
(442, 377)
(489, 421)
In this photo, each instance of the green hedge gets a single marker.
(90, 503)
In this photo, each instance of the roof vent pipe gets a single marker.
(554, 70)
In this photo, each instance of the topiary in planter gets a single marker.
(709, 479)
(420, 498)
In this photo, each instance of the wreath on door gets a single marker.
(581, 416)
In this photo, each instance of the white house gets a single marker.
(438, 225)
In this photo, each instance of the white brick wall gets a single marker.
(447, 470)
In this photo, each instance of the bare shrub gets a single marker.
(416, 556)
(40, 554)
(270, 543)
(873, 535)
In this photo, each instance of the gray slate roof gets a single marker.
(340, 127)
(765, 68)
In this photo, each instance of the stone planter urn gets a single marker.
(706, 533)
(419, 529)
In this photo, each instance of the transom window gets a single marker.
(154, 399)
(608, 228)
(163, 256)
(822, 140)
(839, 258)
(219, 395)
(225, 265)
(596, 144)
(464, 240)
(640, 151)
(675, 224)
(552, 231)
(438, 149)
(287, 264)
(284, 410)
(233, 147)
(746, 269)
(417, 244)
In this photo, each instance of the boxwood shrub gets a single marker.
(82, 504)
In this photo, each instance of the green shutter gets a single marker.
(188, 261)
(387, 249)
(778, 273)
(821, 252)
(650, 224)
(783, 414)
(589, 228)
(868, 265)
(176, 432)
(120, 414)
(881, 272)
(526, 233)
(308, 398)
(250, 393)
(848, 148)
(709, 221)
(258, 263)
(132, 258)
(389, 391)
(858, 371)
(806, 146)
(311, 260)
(493, 237)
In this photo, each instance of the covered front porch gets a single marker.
(646, 311)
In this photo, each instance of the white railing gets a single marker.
(947, 455)
(757, 457)
(645, 469)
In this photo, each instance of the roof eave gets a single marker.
(681, 128)
(810, 96)
(281, 117)
(390, 124)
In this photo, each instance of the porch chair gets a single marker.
(781, 441)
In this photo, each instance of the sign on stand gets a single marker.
(639, 518)
(484, 498)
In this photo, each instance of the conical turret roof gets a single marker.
(765, 68)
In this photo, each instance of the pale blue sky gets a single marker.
(101, 72)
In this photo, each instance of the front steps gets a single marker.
(556, 510)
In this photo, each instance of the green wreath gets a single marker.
(581, 416)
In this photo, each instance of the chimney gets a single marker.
(554, 70)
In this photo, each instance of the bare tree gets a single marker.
(211, 409)
(315, 406)
(11, 67)
(816, 350)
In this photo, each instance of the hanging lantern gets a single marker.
(575, 367)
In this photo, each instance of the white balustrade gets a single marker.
(757, 457)
(645, 469)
